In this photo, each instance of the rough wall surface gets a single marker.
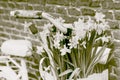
(70, 10)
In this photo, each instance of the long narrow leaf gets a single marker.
(65, 72)
(77, 70)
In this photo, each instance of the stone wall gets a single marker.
(70, 10)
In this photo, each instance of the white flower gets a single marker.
(65, 50)
(57, 44)
(73, 42)
(58, 23)
(90, 24)
(104, 39)
(57, 38)
(99, 16)
(79, 28)
(46, 28)
(40, 49)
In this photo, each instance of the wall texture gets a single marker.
(70, 10)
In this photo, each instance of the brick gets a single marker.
(109, 0)
(84, 0)
(108, 15)
(117, 53)
(73, 11)
(40, 22)
(117, 70)
(4, 0)
(28, 7)
(19, 6)
(116, 34)
(104, 4)
(7, 24)
(111, 5)
(19, 0)
(117, 62)
(94, 4)
(3, 4)
(1, 16)
(117, 44)
(12, 18)
(61, 10)
(16, 37)
(38, 7)
(4, 35)
(4, 11)
(8, 30)
(49, 8)
(113, 25)
(19, 27)
(55, 15)
(34, 1)
(24, 34)
(36, 43)
(21, 20)
(5, 17)
(58, 2)
(117, 15)
(42, 2)
(15, 32)
(11, 5)
(1, 29)
(69, 19)
(82, 3)
(1, 11)
(86, 11)
(31, 36)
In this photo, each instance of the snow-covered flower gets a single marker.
(99, 16)
(57, 38)
(101, 27)
(65, 50)
(89, 24)
(73, 42)
(57, 22)
(46, 28)
(79, 28)
(40, 49)
(104, 39)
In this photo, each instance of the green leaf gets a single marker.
(76, 71)
(65, 72)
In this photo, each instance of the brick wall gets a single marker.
(70, 10)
